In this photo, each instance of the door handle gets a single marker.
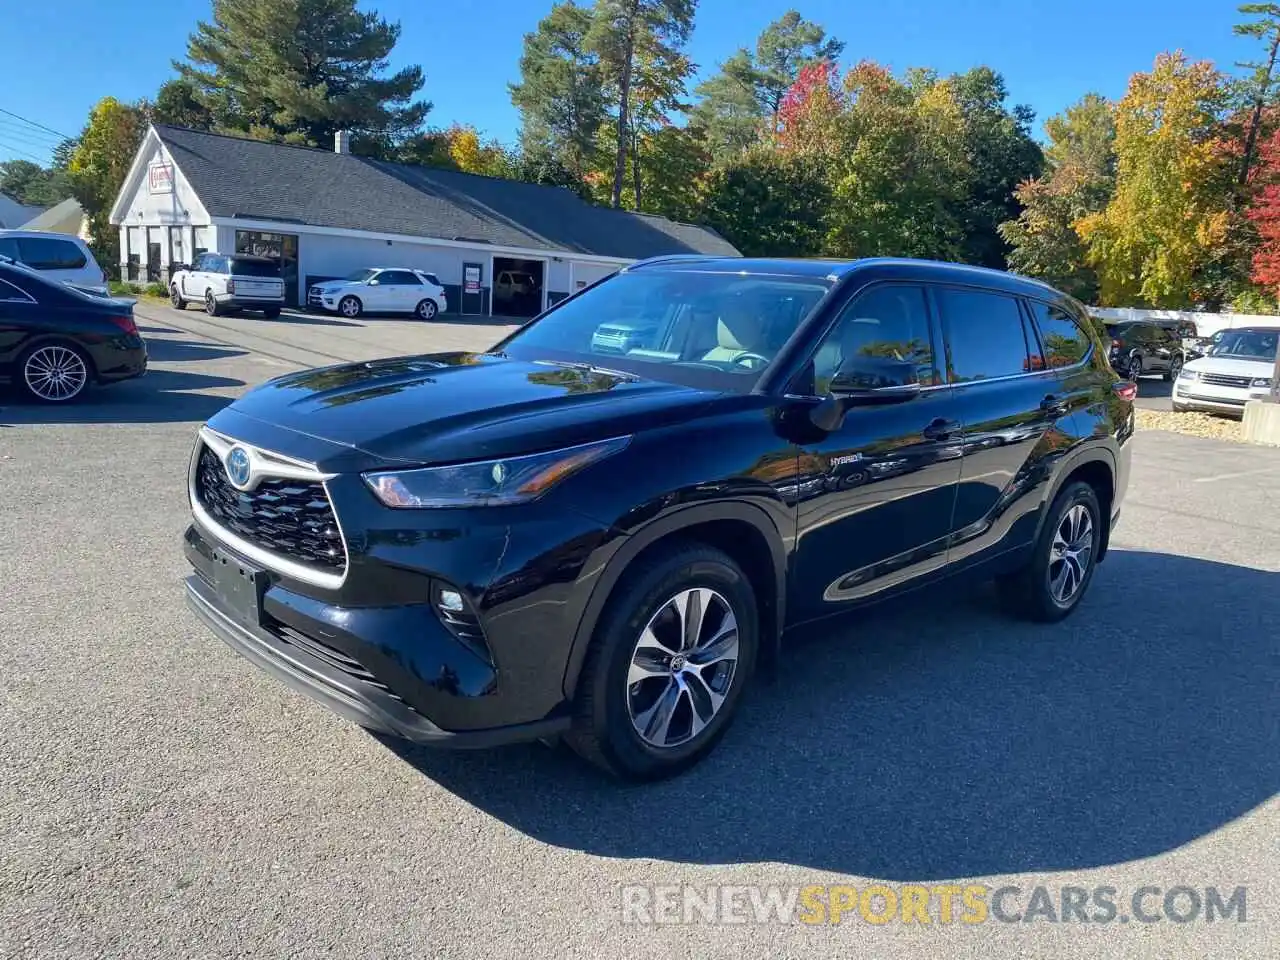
(941, 429)
(1054, 406)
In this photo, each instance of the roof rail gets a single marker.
(670, 258)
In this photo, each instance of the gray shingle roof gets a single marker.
(251, 179)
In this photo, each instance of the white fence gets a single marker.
(1207, 324)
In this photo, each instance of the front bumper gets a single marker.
(1194, 395)
(332, 655)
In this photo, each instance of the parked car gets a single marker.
(225, 282)
(55, 340)
(1237, 369)
(466, 549)
(514, 285)
(1195, 347)
(381, 290)
(57, 256)
(1140, 348)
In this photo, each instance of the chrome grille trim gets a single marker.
(266, 463)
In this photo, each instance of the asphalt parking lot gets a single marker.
(160, 797)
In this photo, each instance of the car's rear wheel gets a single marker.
(176, 298)
(1063, 559)
(350, 307)
(271, 313)
(667, 665)
(426, 309)
(211, 306)
(55, 372)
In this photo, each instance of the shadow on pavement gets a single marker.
(159, 397)
(164, 351)
(1150, 388)
(944, 742)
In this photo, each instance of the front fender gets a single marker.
(626, 549)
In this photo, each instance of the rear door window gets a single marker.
(399, 278)
(1063, 341)
(49, 253)
(985, 335)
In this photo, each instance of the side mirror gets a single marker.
(866, 381)
(374, 283)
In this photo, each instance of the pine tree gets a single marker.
(300, 70)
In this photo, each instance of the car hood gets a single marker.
(1232, 366)
(333, 286)
(443, 408)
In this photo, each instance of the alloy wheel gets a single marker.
(1135, 368)
(350, 307)
(682, 667)
(1070, 554)
(55, 373)
(427, 309)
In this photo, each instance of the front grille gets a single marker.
(1223, 380)
(291, 518)
(314, 295)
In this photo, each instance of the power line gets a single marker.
(8, 126)
(34, 124)
(21, 136)
(13, 149)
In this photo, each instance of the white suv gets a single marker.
(230, 281)
(58, 256)
(381, 290)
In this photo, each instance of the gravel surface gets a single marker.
(1192, 424)
(161, 798)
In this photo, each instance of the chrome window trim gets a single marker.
(26, 297)
(265, 463)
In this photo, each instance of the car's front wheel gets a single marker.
(667, 665)
(350, 307)
(1134, 370)
(1175, 368)
(1062, 562)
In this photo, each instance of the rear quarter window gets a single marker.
(1064, 342)
(49, 253)
(254, 268)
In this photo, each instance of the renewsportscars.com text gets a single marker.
(880, 904)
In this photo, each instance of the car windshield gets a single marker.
(1248, 345)
(360, 276)
(255, 268)
(714, 329)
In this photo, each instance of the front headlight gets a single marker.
(487, 483)
(1264, 382)
(1185, 374)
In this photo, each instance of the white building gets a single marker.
(327, 213)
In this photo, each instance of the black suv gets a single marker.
(1140, 348)
(555, 538)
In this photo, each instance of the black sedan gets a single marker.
(55, 340)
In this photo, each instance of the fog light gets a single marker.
(451, 600)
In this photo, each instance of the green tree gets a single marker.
(786, 45)
(100, 163)
(768, 203)
(638, 41)
(1168, 215)
(745, 96)
(1078, 181)
(178, 102)
(728, 109)
(676, 160)
(300, 70)
(1258, 88)
(32, 184)
(561, 95)
(1000, 154)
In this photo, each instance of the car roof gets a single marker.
(903, 268)
(52, 234)
(253, 257)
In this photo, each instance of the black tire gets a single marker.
(211, 306)
(426, 310)
(603, 731)
(35, 384)
(1175, 367)
(271, 313)
(1027, 593)
(350, 307)
(1134, 368)
(176, 298)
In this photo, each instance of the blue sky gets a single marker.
(1050, 53)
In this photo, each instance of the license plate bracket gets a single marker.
(240, 585)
